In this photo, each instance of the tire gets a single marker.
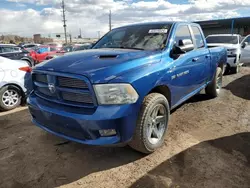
(227, 70)
(235, 70)
(144, 139)
(31, 64)
(15, 98)
(214, 87)
(224, 69)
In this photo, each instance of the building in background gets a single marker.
(41, 40)
(226, 26)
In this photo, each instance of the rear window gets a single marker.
(223, 39)
(198, 37)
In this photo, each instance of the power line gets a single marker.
(64, 21)
(110, 15)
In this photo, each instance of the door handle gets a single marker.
(207, 56)
(195, 59)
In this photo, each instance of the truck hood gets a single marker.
(227, 46)
(100, 65)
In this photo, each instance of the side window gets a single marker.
(247, 40)
(7, 49)
(182, 33)
(17, 49)
(1, 50)
(52, 49)
(198, 37)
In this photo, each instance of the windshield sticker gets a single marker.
(158, 31)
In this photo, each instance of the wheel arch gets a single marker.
(164, 90)
(30, 62)
(15, 86)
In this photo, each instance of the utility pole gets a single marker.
(80, 36)
(64, 21)
(110, 27)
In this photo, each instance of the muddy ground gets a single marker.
(207, 145)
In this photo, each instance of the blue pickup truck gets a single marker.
(122, 90)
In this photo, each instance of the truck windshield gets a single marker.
(223, 39)
(144, 37)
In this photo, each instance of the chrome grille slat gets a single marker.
(71, 83)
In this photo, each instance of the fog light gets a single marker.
(107, 132)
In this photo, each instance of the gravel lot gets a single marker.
(207, 145)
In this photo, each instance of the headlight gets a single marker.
(115, 94)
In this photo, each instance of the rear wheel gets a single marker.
(214, 87)
(10, 98)
(152, 124)
(236, 69)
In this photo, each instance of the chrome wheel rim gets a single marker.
(10, 98)
(157, 124)
(219, 82)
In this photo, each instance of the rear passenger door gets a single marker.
(189, 68)
(203, 57)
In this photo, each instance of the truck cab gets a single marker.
(122, 90)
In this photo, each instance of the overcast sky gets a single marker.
(26, 17)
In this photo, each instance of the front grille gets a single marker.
(71, 83)
(41, 78)
(77, 97)
(67, 90)
(45, 91)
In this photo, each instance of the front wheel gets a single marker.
(152, 124)
(10, 98)
(214, 87)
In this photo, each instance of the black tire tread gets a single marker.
(138, 141)
(211, 87)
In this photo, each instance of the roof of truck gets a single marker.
(155, 23)
(223, 35)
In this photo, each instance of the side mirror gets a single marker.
(244, 44)
(183, 47)
(186, 45)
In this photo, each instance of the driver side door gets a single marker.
(245, 52)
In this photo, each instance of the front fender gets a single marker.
(146, 78)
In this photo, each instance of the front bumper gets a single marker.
(73, 124)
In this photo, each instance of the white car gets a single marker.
(238, 50)
(14, 81)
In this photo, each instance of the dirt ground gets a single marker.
(207, 145)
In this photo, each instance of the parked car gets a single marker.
(122, 90)
(15, 53)
(15, 78)
(238, 50)
(245, 53)
(83, 47)
(43, 52)
(29, 47)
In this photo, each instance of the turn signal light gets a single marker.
(25, 69)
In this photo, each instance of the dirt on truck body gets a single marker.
(207, 145)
